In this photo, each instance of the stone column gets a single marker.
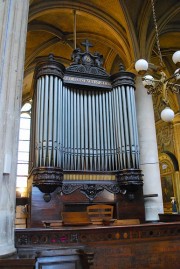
(13, 29)
(149, 163)
(176, 126)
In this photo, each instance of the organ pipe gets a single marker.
(84, 129)
(47, 115)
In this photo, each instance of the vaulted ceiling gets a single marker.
(121, 30)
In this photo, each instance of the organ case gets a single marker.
(84, 130)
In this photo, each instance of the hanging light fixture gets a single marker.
(164, 84)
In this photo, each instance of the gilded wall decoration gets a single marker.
(165, 137)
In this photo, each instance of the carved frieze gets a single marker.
(114, 233)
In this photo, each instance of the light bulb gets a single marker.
(141, 66)
(148, 80)
(167, 114)
(176, 57)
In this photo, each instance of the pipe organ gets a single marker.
(84, 128)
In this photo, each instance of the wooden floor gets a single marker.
(155, 245)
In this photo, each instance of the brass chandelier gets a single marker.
(164, 83)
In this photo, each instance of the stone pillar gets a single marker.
(149, 163)
(176, 126)
(13, 29)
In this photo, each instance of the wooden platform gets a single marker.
(138, 246)
(169, 217)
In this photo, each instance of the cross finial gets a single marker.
(87, 44)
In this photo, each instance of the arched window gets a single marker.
(23, 150)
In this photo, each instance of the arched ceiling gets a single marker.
(121, 30)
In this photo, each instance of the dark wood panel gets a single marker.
(17, 263)
(40, 210)
(169, 217)
(129, 246)
(130, 209)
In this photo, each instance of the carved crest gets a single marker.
(86, 69)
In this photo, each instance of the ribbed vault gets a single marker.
(121, 30)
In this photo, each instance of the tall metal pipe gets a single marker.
(98, 149)
(119, 128)
(90, 130)
(86, 130)
(122, 132)
(78, 139)
(134, 120)
(112, 132)
(94, 136)
(101, 133)
(37, 99)
(82, 129)
(130, 125)
(41, 163)
(54, 122)
(107, 110)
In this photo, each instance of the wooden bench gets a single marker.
(100, 212)
(75, 218)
